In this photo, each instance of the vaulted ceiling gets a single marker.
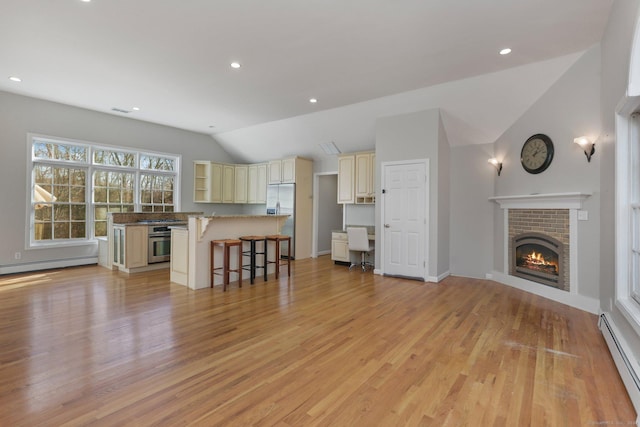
(359, 58)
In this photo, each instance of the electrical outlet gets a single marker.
(17, 255)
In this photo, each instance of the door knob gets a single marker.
(387, 226)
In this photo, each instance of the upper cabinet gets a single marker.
(213, 182)
(346, 176)
(241, 184)
(227, 183)
(283, 171)
(365, 178)
(356, 178)
(257, 183)
(201, 181)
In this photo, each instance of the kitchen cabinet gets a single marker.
(283, 171)
(356, 178)
(228, 184)
(215, 182)
(201, 181)
(257, 183)
(339, 247)
(130, 246)
(346, 175)
(365, 177)
(241, 183)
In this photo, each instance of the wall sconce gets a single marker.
(588, 146)
(496, 164)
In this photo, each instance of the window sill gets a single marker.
(55, 245)
(631, 311)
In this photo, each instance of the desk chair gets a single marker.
(358, 241)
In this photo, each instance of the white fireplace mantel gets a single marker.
(542, 201)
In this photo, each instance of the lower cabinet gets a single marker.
(339, 247)
(130, 246)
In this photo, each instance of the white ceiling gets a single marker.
(171, 58)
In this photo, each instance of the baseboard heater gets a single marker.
(46, 265)
(623, 358)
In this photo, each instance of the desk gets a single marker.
(340, 244)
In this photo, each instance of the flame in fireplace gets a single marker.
(536, 258)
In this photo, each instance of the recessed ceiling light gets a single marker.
(135, 108)
(235, 65)
(15, 79)
(313, 100)
(86, 1)
(505, 51)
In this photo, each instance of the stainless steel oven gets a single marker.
(159, 243)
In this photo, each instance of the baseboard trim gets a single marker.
(47, 265)
(582, 302)
(439, 278)
(627, 366)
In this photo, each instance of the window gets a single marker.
(627, 221)
(74, 185)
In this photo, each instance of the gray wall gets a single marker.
(409, 137)
(472, 183)
(20, 115)
(444, 197)
(616, 48)
(570, 108)
(329, 211)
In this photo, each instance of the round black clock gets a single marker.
(537, 153)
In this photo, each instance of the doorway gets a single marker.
(404, 215)
(327, 213)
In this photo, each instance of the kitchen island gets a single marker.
(190, 244)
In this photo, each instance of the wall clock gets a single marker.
(537, 153)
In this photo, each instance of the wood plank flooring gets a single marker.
(326, 347)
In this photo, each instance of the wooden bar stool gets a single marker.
(278, 239)
(226, 245)
(252, 252)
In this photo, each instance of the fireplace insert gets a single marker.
(538, 257)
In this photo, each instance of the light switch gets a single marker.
(583, 215)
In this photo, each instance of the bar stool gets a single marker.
(278, 239)
(252, 252)
(226, 245)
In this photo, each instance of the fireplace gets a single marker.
(539, 258)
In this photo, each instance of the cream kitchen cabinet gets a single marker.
(257, 183)
(356, 178)
(346, 175)
(201, 181)
(241, 183)
(339, 247)
(228, 183)
(365, 177)
(283, 171)
(130, 246)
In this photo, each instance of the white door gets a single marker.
(404, 216)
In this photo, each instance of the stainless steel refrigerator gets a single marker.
(281, 199)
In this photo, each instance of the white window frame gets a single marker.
(627, 159)
(90, 167)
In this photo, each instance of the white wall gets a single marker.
(20, 115)
(472, 183)
(616, 49)
(570, 108)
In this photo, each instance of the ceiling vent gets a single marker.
(120, 110)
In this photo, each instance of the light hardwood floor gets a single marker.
(329, 347)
